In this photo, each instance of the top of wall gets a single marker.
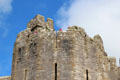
(38, 24)
(39, 21)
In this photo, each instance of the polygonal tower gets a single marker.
(41, 54)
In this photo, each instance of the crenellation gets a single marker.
(98, 39)
(38, 22)
(99, 43)
(50, 23)
(113, 65)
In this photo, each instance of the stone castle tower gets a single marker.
(41, 54)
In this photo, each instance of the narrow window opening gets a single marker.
(55, 71)
(87, 75)
(20, 54)
(25, 75)
(20, 51)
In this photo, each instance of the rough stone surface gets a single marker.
(42, 54)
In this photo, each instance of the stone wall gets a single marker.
(33, 53)
(42, 54)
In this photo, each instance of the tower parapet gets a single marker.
(112, 61)
(49, 23)
(39, 22)
(99, 42)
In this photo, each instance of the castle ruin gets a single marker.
(42, 54)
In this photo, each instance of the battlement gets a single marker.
(39, 22)
(98, 39)
(75, 28)
(112, 61)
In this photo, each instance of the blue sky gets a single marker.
(14, 19)
(95, 16)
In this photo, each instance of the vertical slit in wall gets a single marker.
(87, 75)
(25, 75)
(55, 71)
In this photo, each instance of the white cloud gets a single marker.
(5, 8)
(96, 17)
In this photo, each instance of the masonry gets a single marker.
(41, 54)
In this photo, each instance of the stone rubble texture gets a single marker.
(78, 57)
